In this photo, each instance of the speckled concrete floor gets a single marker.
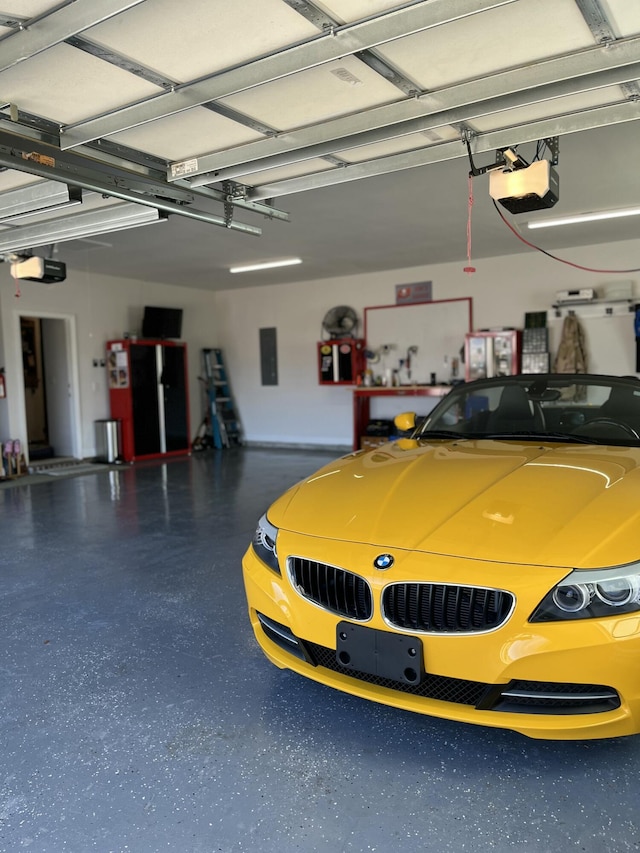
(137, 713)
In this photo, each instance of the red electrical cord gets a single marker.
(548, 254)
(469, 268)
(16, 282)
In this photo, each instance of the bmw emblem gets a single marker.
(383, 561)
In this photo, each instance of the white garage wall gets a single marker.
(103, 308)
(299, 411)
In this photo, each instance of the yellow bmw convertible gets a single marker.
(484, 569)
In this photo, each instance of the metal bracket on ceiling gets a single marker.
(232, 192)
(553, 146)
(508, 157)
(466, 134)
(631, 90)
(312, 13)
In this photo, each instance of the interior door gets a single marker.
(58, 384)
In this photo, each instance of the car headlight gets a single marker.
(591, 595)
(264, 543)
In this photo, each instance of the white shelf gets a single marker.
(602, 307)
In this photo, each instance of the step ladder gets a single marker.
(225, 423)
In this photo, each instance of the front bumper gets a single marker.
(554, 680)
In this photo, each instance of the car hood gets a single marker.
(516, 502)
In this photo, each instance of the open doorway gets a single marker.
(47, 358)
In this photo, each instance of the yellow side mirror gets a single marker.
(407, 443)
(405, 421)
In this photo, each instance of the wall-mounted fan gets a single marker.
(340, 322)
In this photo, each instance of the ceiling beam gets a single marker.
(51, 29)
(381, 66)
(482, 142)
(113, 164)
(596, 20)
(39, 197)
(325, 47)
(118, 217)
(120, 60)
(46, 161)
(592, 68)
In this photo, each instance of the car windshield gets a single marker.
(582, 409)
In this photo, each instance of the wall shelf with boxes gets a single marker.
(605, 301)
(609, 318)
(599, 307)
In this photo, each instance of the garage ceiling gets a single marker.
(335, 131)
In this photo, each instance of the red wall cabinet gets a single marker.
(340, 361)
(148, 395)
(489, 354)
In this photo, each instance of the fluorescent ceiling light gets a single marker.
(288, 262)
(584, 217)
(40, 197)
(116, 218)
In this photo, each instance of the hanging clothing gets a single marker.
(572, 356)
(572, 353)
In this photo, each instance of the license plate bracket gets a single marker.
(398, 657)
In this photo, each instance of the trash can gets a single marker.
(107, 441)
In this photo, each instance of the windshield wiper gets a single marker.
(444, 433)
(528, 435)
(534, 435)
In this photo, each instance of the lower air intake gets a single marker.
(550, 697)
(431, 687)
